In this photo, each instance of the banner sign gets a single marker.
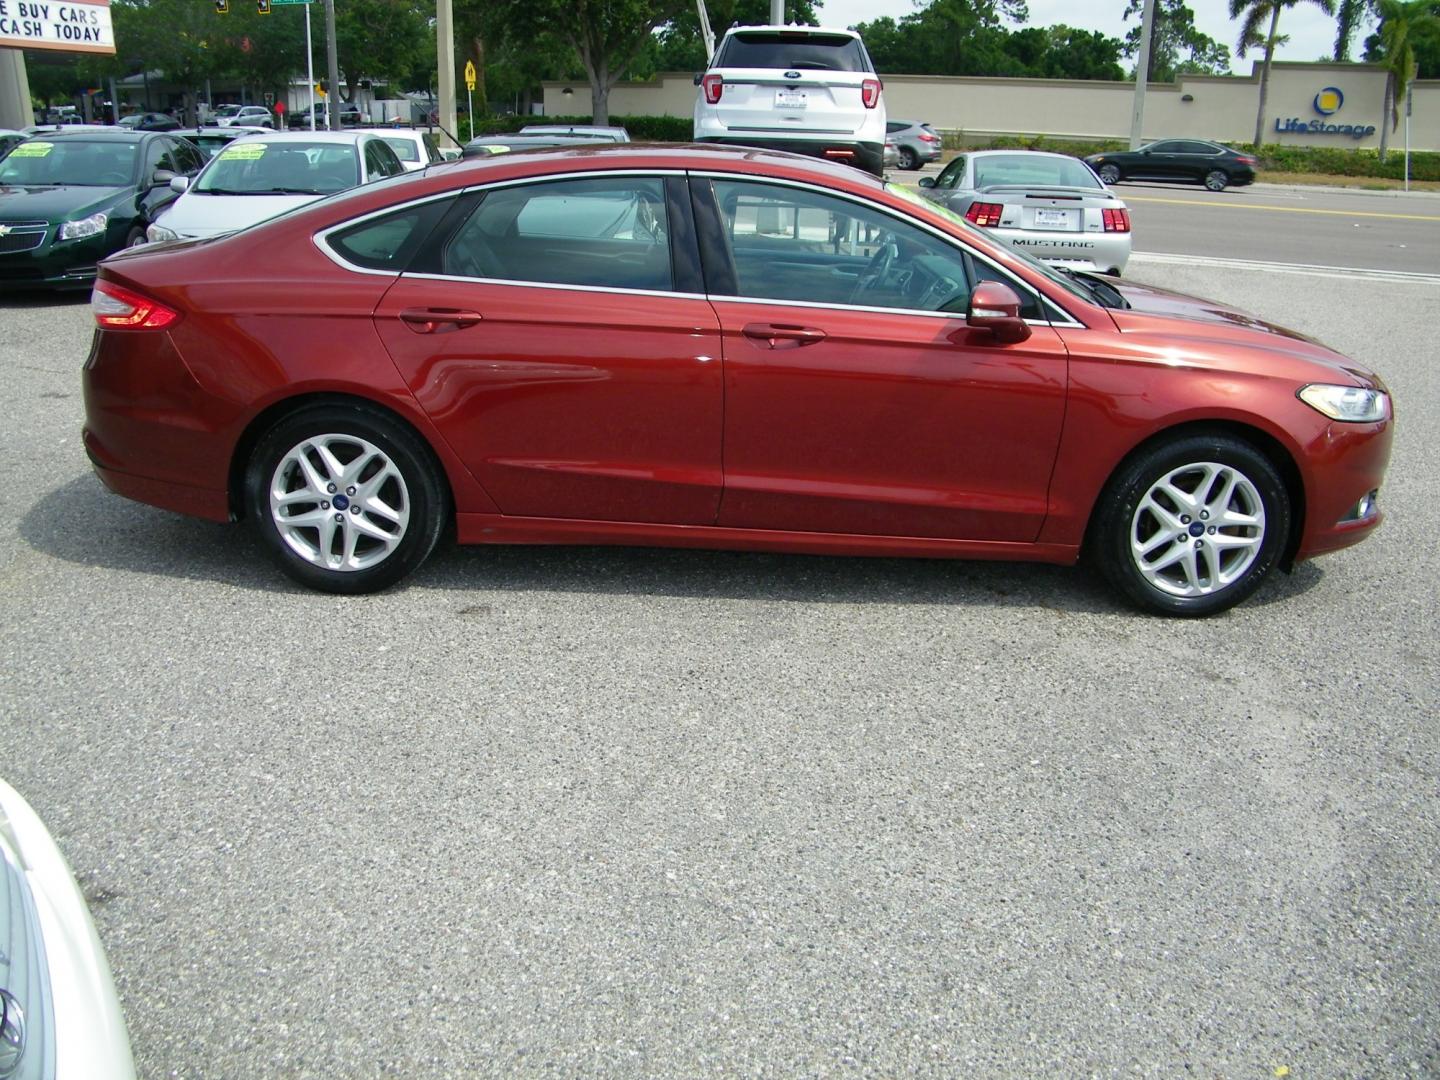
(62, 25)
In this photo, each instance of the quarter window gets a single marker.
(797, 244)
(389, 242)
(605, 232)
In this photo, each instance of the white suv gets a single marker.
(800, 88)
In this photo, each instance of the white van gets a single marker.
(806, 89)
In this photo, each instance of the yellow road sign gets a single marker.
(469, 74)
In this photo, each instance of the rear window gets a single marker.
(1033, 169)
(404, 148)
(799, 50)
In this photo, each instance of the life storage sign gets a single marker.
(53, 24)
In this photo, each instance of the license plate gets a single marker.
(1052, 219)
(790, 99)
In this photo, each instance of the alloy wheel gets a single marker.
(1198, 529)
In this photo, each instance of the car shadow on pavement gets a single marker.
(84, 523)
(44, 299)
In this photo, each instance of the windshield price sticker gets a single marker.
(32, 149)
(243, 152)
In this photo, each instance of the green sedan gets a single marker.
(68, 199)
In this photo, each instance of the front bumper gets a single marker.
(1346, 471)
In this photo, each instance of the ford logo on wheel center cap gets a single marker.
(792, 74)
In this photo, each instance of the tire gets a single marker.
(135, 237)
(1109, 174)
(361, 452)
(1217, 180)
(908, 160)
(1144, 535)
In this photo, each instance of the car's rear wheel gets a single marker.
(1217, 180)
(1109, 174)
(346, 498)
(1192, 526)
(908, 159)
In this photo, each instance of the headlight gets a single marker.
(1352, 404)
(156, 233)
(93, 225)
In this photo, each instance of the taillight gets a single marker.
(714, 86)
(1247, 161)
(870, 93)
(985, 214)
(1116, 220)
(118, 308)
(925, 136)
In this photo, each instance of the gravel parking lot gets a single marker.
(597, 812)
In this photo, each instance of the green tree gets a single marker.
(1177, 46)
(378, 39)
(1403, 23)
(1348, 14)
(606, 35)
(1254, 14)
(681, 47)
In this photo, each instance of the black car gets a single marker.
(1180, 161)
(69, 199)
(149, 121)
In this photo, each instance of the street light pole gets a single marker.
(445, 62)
(333, 63)
(310, 66)
(1142, 74)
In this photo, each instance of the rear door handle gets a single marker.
(778, 336)
(438, 320)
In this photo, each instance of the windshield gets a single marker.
(280, 168)
(73, 161)
(1034, 170)
(793, 49)
(1050, 273)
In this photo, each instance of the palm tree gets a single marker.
(1400, 23)
(1255, 12)
(1347, 21)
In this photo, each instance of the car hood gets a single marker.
(197, 214)
(44, 202)
(1178, 316)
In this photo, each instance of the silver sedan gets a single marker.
(1049, 205)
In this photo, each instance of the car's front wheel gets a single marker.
(1110, 174)
(1192, 526)
(1217, 180)
(346, 498)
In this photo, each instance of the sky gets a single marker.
(1312, 32)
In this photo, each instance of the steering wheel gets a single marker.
(876, 269)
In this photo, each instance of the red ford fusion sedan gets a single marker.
(713, 348)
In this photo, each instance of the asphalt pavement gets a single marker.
(627, 813)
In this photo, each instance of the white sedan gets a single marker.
(258, 176)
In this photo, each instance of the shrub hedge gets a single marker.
(1327, 160)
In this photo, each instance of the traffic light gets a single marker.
(222, 7)
(262, 6)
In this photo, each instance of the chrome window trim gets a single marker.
(941, 235)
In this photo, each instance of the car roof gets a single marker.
(827, 31)
(103, 134)
(1019, 151)
(320, 136)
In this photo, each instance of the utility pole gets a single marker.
(333, 63)
(777, 12)
(444, 62)
(1142, 74)
(15, 110)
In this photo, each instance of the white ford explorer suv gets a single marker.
(800, 88)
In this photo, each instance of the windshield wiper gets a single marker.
(1104, 293)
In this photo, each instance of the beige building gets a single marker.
(1309, 105)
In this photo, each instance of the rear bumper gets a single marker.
(869, 156)
(1105, 253)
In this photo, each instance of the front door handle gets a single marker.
(438, 320)
(778, 336)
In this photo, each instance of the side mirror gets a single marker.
(995, 307)
(162, 176)
(179, 184)
(927, 181)
(698, 76)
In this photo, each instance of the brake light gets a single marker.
(1116, 220)
(1247, 161)
(870, 92)
(925, 136)
(714, 86)
(118, 308)
(985, 214)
